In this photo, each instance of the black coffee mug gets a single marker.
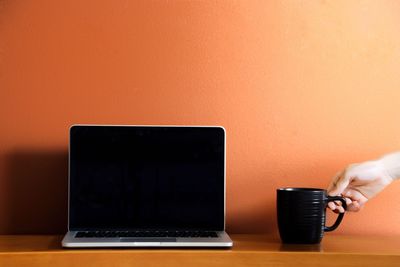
(302, 214)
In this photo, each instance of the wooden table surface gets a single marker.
(248, 250)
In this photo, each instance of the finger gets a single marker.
(354, 206)
(340, 209)
(333, 182)
(357, 199)
(332, 206)
(338, 203)
(355, 196)
(336, 211)
(340, 185)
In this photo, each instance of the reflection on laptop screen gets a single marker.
(137, 177)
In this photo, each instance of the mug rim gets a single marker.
(300, 189)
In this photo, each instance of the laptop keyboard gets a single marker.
(86, 234)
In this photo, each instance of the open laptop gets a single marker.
(146, 186)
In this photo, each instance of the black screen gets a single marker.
(137, 177)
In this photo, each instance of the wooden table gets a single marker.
(248, 250)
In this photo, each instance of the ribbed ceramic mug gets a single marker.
(302, 214)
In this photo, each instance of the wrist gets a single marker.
(391, 165)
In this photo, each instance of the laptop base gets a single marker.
(70, 241)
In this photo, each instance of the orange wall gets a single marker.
(302, 87)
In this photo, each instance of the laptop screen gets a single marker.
(146, 177)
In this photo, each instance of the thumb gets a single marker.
(339, 184)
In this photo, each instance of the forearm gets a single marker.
(391, 163)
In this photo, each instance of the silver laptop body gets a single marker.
(146, 186)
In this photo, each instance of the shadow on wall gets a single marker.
(36, 192)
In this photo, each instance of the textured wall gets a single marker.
(302, 87)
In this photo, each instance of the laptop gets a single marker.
(146, 186)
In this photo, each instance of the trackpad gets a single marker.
(150, 239)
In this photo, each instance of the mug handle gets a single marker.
(340, 217)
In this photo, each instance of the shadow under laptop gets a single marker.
(36, 184)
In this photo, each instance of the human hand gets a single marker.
(358, 183)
